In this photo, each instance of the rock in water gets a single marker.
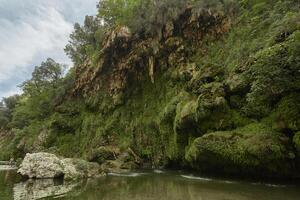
(41, 165)
(46, 165)
(41, 188)
(77, 168)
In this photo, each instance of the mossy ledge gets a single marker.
(249, 151)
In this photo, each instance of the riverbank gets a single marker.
(49, 166)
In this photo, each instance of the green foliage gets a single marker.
(11, 102)
(285, 116)
(141, 16)
(30, 111)
(86, 41)
(117, 12)
(150, 16)
(44, 77)
(101, 154)
(37, 101)
(274, 73)
(259, 51)
(296, 141)
(4, 116)
(226, 109)
(7, 107)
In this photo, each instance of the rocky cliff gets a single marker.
(215, 92)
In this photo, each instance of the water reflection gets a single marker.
(38, 189)
(156, 185)
(174, 186)
(7, 167)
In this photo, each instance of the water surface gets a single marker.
(149, 185)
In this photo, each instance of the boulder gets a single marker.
(77, 168)
(46, 165)
(41, 165)
(255, 152)
(210, 111)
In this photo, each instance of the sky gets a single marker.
(32, 31)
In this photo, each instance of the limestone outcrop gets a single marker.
(46, 165)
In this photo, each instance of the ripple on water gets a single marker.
(157, 171)
(126, 174)
(196, 178)
(7, 167)
(271, 185)
(191, 177)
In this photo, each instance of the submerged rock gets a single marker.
(46, 165)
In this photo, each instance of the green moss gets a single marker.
(286, 114)
(166, 124)
(274, 71)
(296, 141)
(223, 104)
(185, 120)
(101, 154)
(253, 150)
(205, 75)
(7, 147)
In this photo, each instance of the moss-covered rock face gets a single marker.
(285, 117)
(101, 154)
(296, 141)
(186, 117)
(219, 92)
(252, 150)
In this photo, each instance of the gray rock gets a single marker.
(46, 165)
(41, 165)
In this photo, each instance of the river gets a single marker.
(146, 185)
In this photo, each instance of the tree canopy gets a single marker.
(48, 74)
(147, 16)
(7, 106)
(39, 93)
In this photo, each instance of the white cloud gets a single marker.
(33, 30)
(21, 42)
(11, 92)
